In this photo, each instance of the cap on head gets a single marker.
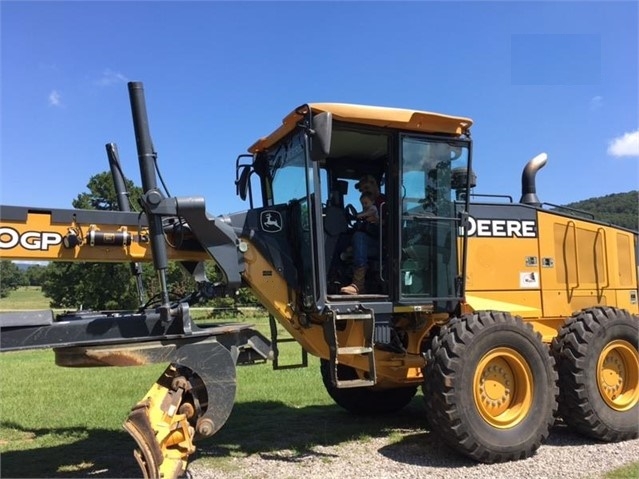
(365, 179)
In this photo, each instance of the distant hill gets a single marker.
(620, 209)
(25, 265)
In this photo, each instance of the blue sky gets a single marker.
(559, 77)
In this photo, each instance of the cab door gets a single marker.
(430, 194)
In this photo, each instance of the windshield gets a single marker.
(288, 171)
(292, 184)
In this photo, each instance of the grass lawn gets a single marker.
(628, 472)
(63, 422)
(25, 297)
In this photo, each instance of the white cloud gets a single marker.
(596, 102)
(55, 98)
(625, 145)
(109, 77)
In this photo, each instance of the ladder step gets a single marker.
(365, 321)
(355, 383)
(356, 316)
(275, 341)
(354, 350)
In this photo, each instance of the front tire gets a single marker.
(366, 400)
(490, 387)
(598, 362)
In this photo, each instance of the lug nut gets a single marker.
(179, 382)
(205, 427)
(187, 409)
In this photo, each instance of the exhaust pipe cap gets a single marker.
(528, 187)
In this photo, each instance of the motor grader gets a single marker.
(507, 314)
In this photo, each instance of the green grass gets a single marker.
(70, 419)
(631, 471)
(25, 297)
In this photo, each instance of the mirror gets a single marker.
(241, 185)
(321, 140)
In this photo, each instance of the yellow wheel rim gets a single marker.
(503, 388)
(618, 375)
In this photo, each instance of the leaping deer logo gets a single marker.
(271, 221)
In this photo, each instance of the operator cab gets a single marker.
(305, 176)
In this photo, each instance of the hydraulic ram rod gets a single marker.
(124, 204)
(152, 195)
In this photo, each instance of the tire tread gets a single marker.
(443, 363)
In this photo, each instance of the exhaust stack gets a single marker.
(528, 188)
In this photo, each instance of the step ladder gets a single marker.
(367, 318)
(275, 340)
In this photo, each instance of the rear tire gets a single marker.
(490, 387)
(364, 401)
(598, 362)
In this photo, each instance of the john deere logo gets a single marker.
(271, 221)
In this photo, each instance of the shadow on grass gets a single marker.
(263, 427)
(271, 429)
(83, 453)
(266, 427)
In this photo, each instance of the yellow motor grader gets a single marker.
(505, 313)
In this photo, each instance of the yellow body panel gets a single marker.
(586, 264)
(498, 264)
(38, 238)
(571, 264)
(526, 304)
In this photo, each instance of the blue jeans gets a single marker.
(364, 247)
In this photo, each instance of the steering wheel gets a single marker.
(351, 214)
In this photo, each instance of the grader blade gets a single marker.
(159, 425)
(191, 400)
(149, 456)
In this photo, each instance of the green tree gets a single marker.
(621, 209)
(101, 194)
(10, 278)
(93, 285)
(35, 275)
(178, 280)
(90, 286)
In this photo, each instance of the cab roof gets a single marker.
(413, 120)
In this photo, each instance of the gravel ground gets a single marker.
(417, 455)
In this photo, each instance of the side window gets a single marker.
(324, 185)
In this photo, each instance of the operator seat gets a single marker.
(335, 220)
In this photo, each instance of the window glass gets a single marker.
(288, 171)
(433, 178)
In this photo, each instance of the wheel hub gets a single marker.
(494, 386)
(503, 387)
(618, 375)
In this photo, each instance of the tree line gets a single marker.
(621, 209)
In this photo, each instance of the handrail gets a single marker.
(487, 195)
(381, 240)
(574, 235)
(573, 210)
(605, 249)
